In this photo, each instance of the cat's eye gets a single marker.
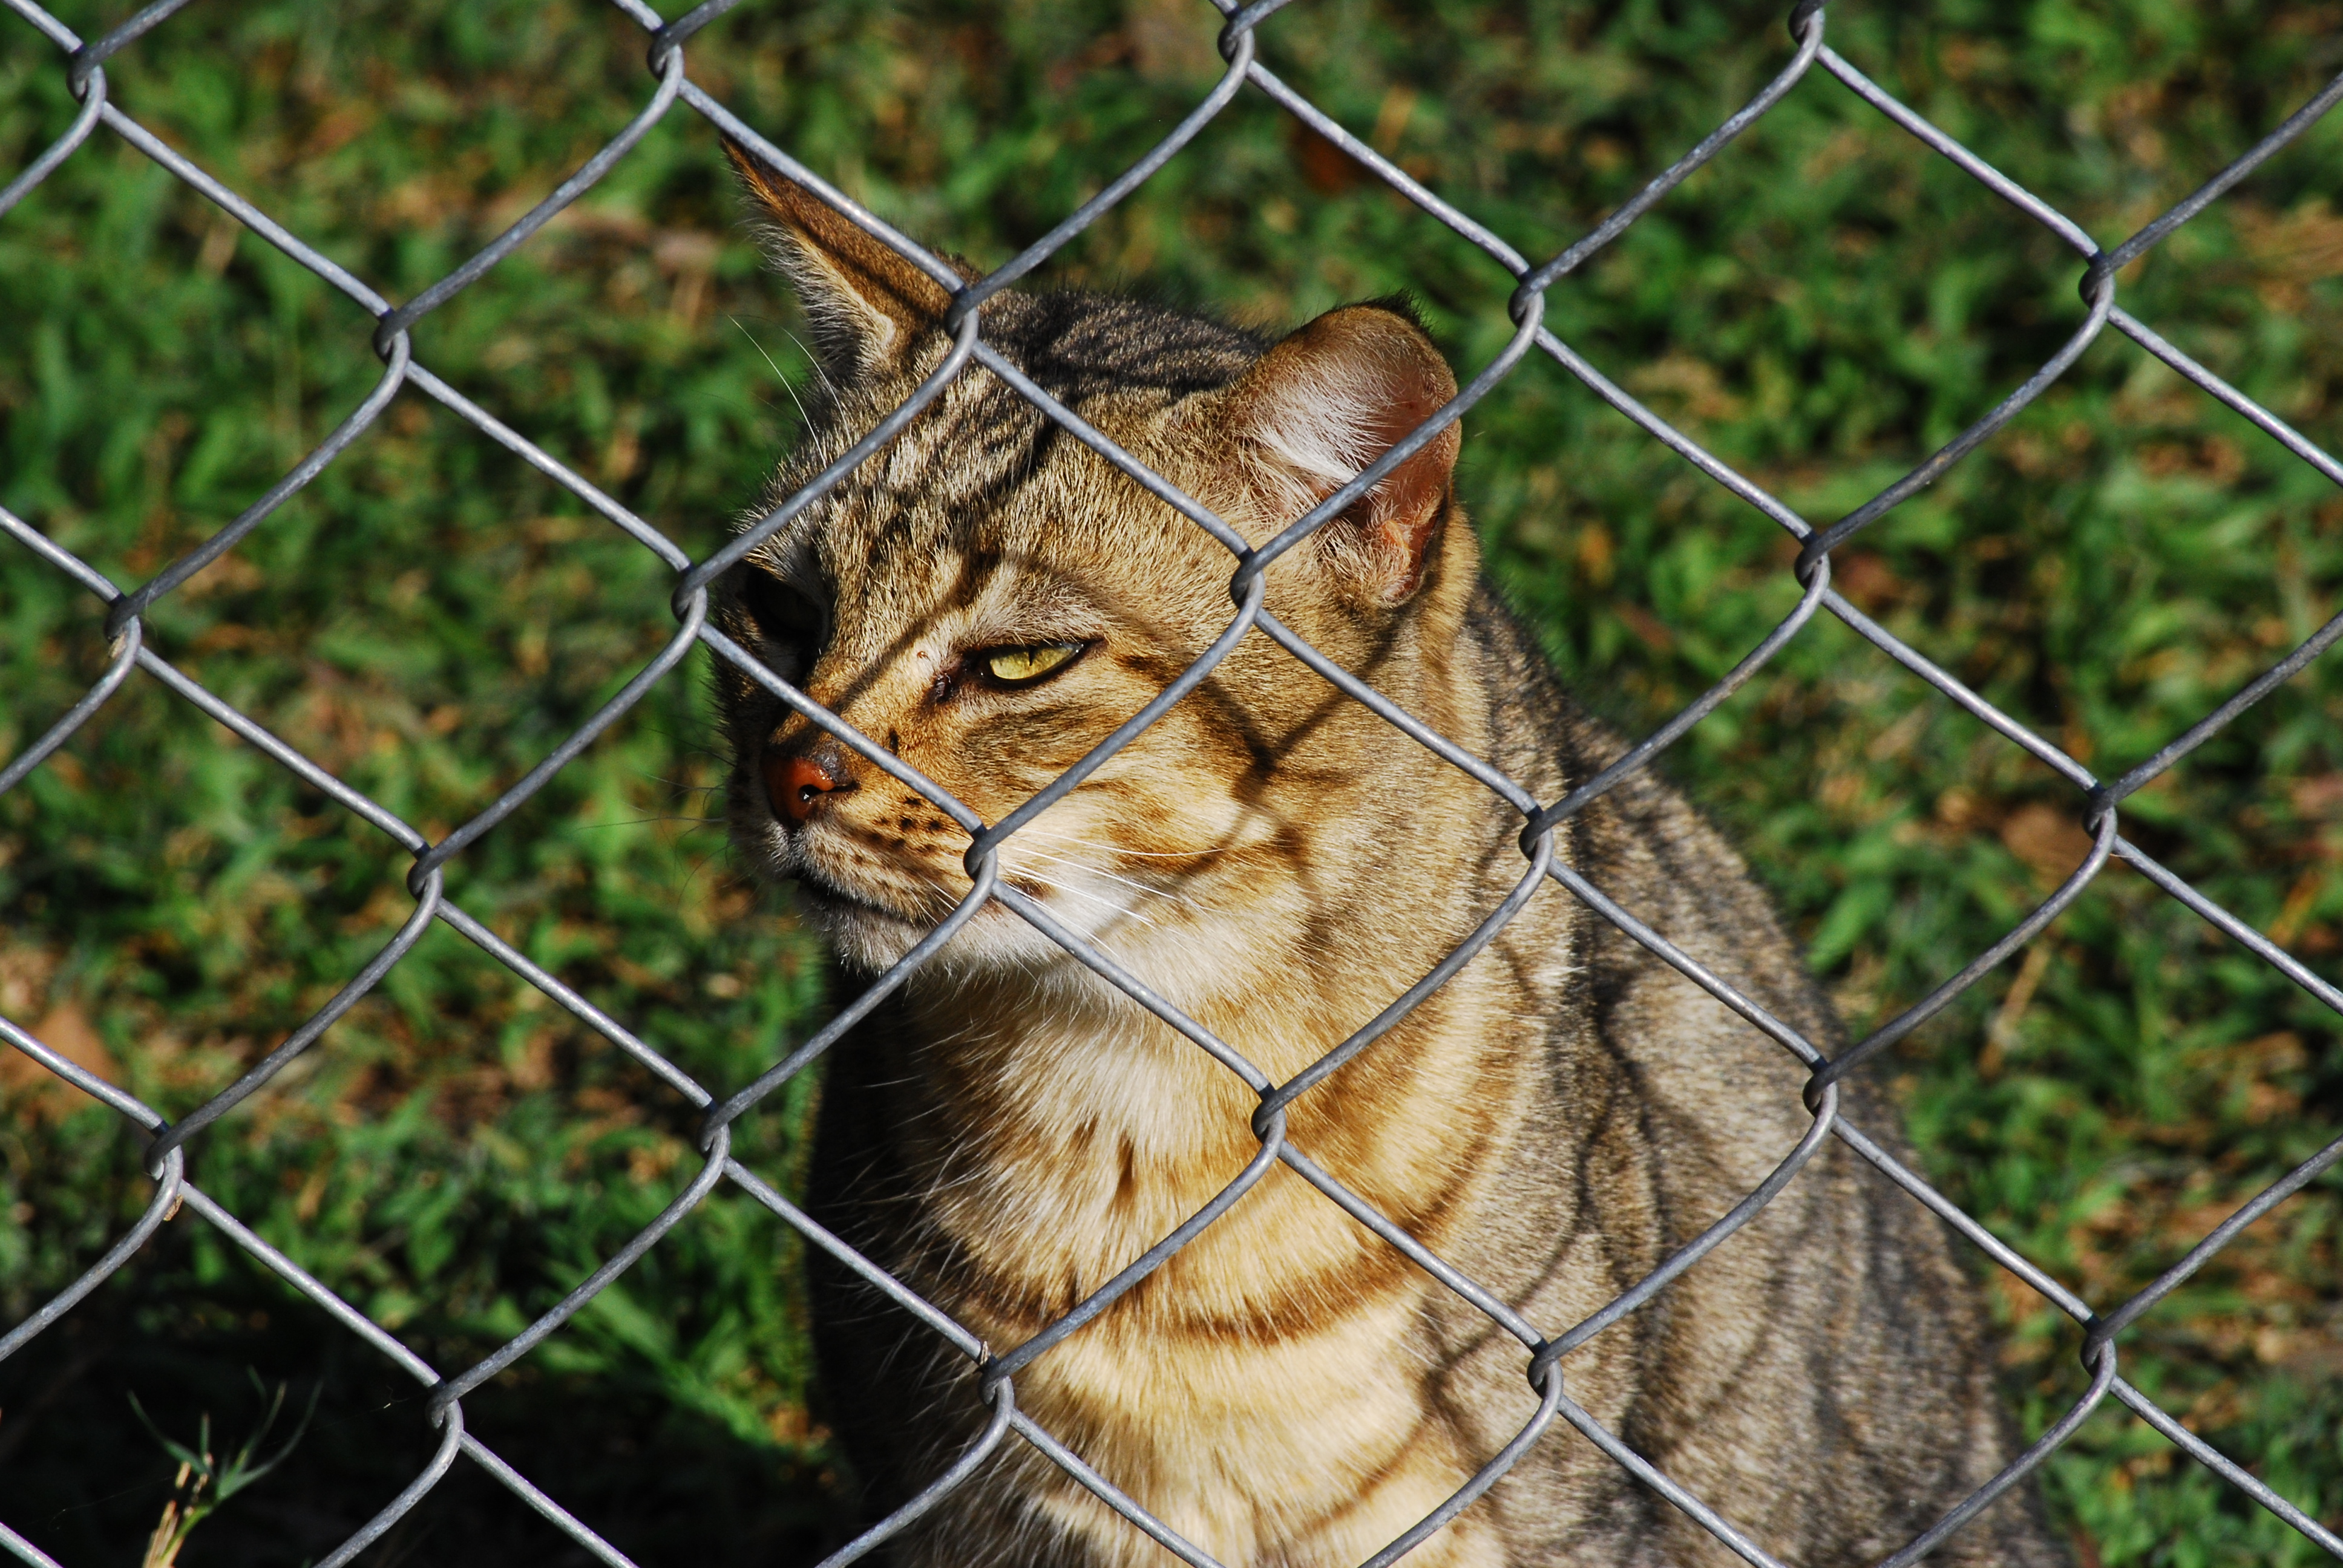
(1026, 666)
(789, 626)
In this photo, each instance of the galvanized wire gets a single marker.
(1544, 1348)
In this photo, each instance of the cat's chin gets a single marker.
(864, 934)
(871, 938)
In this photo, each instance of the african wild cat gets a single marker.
(988, 598)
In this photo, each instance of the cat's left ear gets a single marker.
(1328, 401)
(866, 304)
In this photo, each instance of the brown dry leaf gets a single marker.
(2299, 247)
(648, 1163)
(1962, 808)
(1866, 576)
(1168, 44)
(2024, 1306)
(1649, 629)
(1325, 167)
(2305, 1353)
(2318, 797)
(25, 971)
(1700, 390)
(39, 1094)
(2047, 838)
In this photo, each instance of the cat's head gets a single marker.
(988, 598)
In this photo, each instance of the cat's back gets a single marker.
(1664, 864)
(1820, 1377)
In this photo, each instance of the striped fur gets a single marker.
(1008, 1132)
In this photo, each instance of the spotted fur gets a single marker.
(1008, 1132)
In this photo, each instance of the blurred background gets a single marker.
(1822, 306)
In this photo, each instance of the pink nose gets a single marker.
(795, 785)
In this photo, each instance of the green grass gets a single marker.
(1821, 307)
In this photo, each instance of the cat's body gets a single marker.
(988, 598)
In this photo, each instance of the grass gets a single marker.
(1821, 308)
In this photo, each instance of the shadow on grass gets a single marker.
(83, 1479)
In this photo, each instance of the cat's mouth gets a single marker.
(874, 901)
(833, 901)
(872, 928)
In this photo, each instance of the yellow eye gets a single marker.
(1024, 666)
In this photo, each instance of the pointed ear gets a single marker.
(1321, 407)
(867, 303)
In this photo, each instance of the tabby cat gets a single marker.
(988, 597)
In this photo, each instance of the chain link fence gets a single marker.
(1544, 1347)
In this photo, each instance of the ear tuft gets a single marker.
(1327, 402)
(868, 304)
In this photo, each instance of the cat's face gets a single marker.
(989, 599)
(988, 623)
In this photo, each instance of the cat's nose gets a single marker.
(796, 785)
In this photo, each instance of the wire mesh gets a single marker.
(1544, 1348)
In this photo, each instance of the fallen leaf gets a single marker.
(41, 1094)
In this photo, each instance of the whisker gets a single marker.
(1110, 876)
(777, 370)
(1073, 892)
(813, 359)
(1098, 898)
(1035, 831)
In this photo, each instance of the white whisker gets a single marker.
(813, 359)
(1035, 831)
(1072, 891)
(1110, 876)
(776, 370)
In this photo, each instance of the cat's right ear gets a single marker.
(1316, 410)
(868, 304)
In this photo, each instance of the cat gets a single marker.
(987, 599)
